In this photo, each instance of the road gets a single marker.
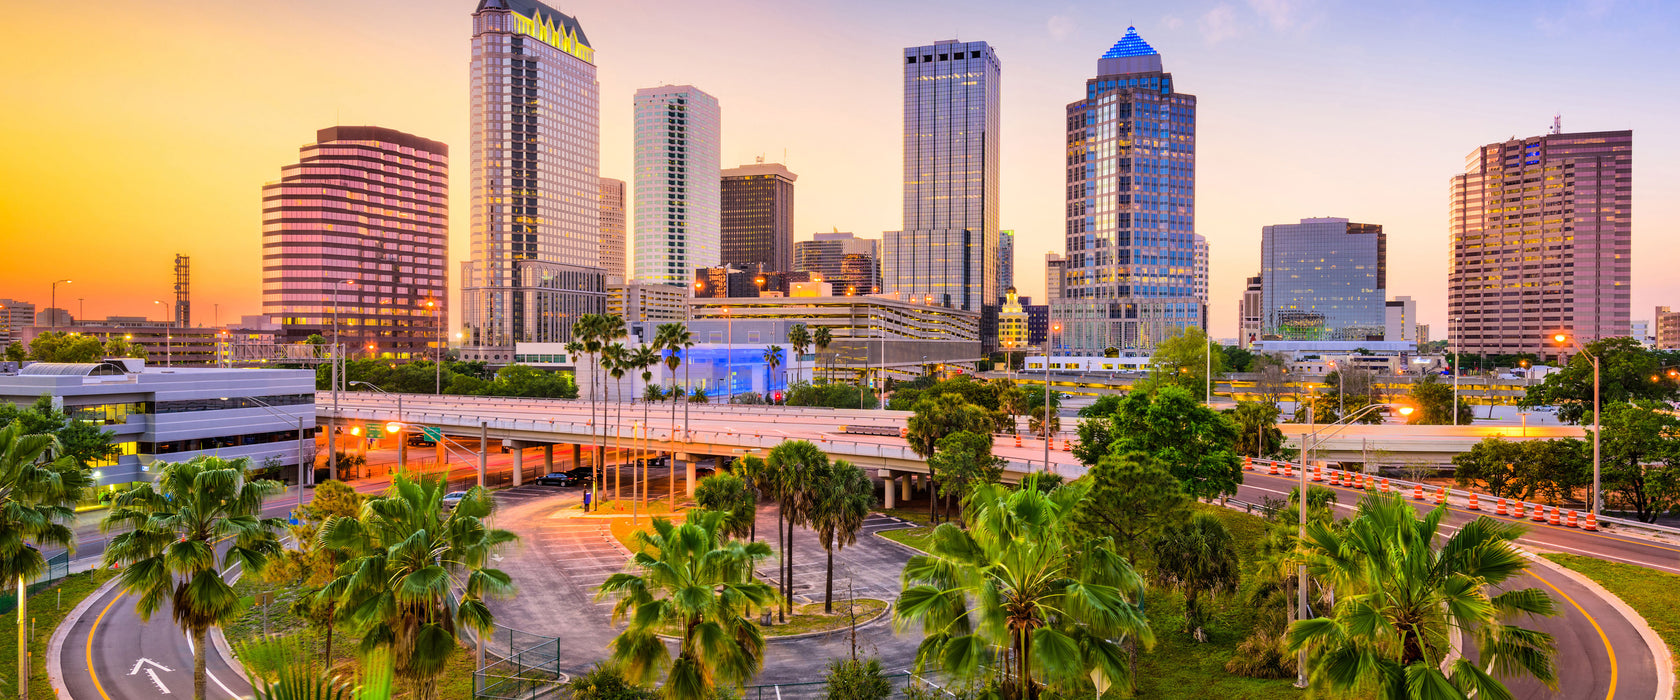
(1600, 653)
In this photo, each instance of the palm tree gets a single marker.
(645, 358)
(675, 340)
(752, 469)
(586, 332)
(799, 337)
(695, 585)
(1400, 600)
(793, 466)
(939, 416)
(613, 332)
(840, 500)
(615, 361)
(731, 495)
(1197, 557)
(168, 554)
(821, 339)
(1022, 595)
(407, 553)
(773, 358)
(37, 502)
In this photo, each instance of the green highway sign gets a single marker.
(376, 431)
(433, 434)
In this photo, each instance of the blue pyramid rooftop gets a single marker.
(1131, 45)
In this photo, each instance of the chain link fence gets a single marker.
(58, 567)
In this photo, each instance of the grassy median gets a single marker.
(47, 608)
(1650, 593)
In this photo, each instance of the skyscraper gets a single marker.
(1250, 321)
(612, 229)
(1542, 242)
(849, 263)
(948, 248)
(1400, 322)
(1324, 279)
(535, 264)
(1131, 203)
(756, 217)
(677, 180)
(1006, 260)
(368, 206)
(1055, 276)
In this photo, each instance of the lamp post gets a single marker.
(1598, 419)
(1049, 344)
(728, 355)
(264, 405)
(402, 441)
(332, 423)
(55, 299)
(437, 359)
(1455, 368)
(168, 336)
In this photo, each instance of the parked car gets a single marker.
(703, 472)
(420, 440)
(453, 498)
(558, 479)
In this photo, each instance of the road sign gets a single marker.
(375, 431)
(433, 434)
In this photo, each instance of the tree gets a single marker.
(1133, 499)
(1493, 462)
(1197, 443)
(60, 346)
(1271, 380)
(1433, 403)
(1105, 405)
(1034, 405)
(821, 340)
(799, 337)
(1258, 434)
(840, 499)
(1011, 402)
(406, 555)
(1641, 462)
(1021, 595)
(696, 585)
(1626, 373)
(1399, 600)
(168, 551)
(792, 469)
(1197, 557)
(82, 441)
(772, 359)
(674, 340)
(1237, 358)
(962, 463)
(850, 679)
(39, 491)
(644, 359)
(734, 497)
(937, 417)
(589, 332)
(756, 474)
(606, 682)
(1182, 359)
(310, 565)
(15, 353)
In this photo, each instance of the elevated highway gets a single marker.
(1396, 444)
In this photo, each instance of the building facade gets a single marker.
(756, 217)
(1640, 330)
(849, 263)
(1012, 323)
(637, 302)
(678, 150)
(14, 317)
(1250, 321)
(613, 233)
(1131, 277)
(356, 242)
(1542, 240)
(1400, 320)
(1668, 329)
(1324, 279)
(1006, 259)
(948, 248)
(1055, 276)
(535, 263)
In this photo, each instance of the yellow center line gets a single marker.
(1601, 635)
(91, 632)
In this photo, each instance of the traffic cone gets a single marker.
(1417, 492)
(1440, 495)
(1473, 505)
(1289, 470)
(1318, 473)
(1571, 522)
(1501, 509)
(1592, 523)
(1273, 471)
(1519, 513)
(1248, 463)
(1385, 485)
(1335, 478)
(1553, 518)
(1017, 439)
(1539, 514)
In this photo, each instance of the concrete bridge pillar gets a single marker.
(905, 483)
(888, 492)
(577, 455)
(518, 463)
(548, 458)
(442, 454)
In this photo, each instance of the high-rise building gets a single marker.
(1251, 322)
(1422, 333)
(535, 264)
(1640, 330)
(1006, 259)
(358, 231)
(1131, 203)
(1055, 276)
(14, 317)
(612, 230)
(1199, 269)
(54, 317)
(948, 248)
(756, 217)
(849, 263)
(1012, 323)
(677, 181)
(1542, 240)
(1324, 279)
(1400, 320)
(1668, 329)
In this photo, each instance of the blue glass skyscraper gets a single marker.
(1132, 270)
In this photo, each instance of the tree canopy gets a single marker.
(1628, 372)
(1197, 443)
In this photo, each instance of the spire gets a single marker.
(1131, 45)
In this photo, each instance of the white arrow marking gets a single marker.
(157, 682)
(143, 661)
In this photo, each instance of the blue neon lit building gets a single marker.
(1131, 277)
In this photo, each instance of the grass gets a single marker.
(48, 609)
(455, 682)
(1650, 593)
(809, 617)
(920, 538)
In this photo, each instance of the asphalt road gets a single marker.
(1599, 653)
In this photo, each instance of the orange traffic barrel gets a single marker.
(1539, 514)
(1553, 518)
(1519, 512)
(1017, 439)
(1473, 505)
(1385, 485)
(1572, 522)
(1318, 473)
(1501, 509)
(1417, 492)
(1592, 523)
(1440, 495)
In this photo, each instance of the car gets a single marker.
(703, 472)
(659, 460)
(558, 479)
(420, 440)
(453, 498)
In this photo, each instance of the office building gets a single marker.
(1199, 270)
(1668, 329)
(948, 248)
(756, 217)
(849, 263)
(1422, 333)
(678, 176)
(535, 264)
(1012, 323)
(731, 283)
(1324, 279)
(54, 317)
(1131, 200)
(1640, 330)
(1250, 321)
(356, 237)
(1006, 259)
(1038, 322)
(1542, 242)
(1400, 320)
(636, 302)
(165, 345)
(1055, 276)
(157, 414)
(613, 234)
(14, 317)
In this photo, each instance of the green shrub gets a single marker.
(856, 680)
(604, 682)
(1263, 655)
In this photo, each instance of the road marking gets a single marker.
(143, 661)
(212, 676)
(1601, 635)
(91, 632)
(161, 688)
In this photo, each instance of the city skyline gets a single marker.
(1352, 105)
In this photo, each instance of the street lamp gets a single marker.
(1597, 496)
(55, 300)
(1049, 343)
(168, 336)
(332, 423)
(437, 359)
(396, 427)
(264, 405)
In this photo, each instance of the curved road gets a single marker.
(110, 654)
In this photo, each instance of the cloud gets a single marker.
(1219, 23)
(1062, 26)
(1172, 22)
(1280, 14)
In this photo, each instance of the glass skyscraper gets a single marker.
(756, 217)
(1324, 279)
(1131, 272)
(678, 178)
(535, 263)
(947, 253)
(612, 230)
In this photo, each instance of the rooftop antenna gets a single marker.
(760, 159)
(1557, 124)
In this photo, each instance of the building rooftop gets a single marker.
(531, 8)
(1131, 45)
